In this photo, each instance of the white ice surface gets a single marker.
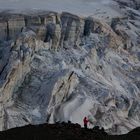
(36, 112)
(80, 7)
(83, 110)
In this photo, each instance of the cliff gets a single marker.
(60, 67)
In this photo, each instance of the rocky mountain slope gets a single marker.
(59, 67)
(63, 131)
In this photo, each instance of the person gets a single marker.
(102, 129)
(85, 120)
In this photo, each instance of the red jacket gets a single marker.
(85, 120)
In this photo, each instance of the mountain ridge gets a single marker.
(63, 131)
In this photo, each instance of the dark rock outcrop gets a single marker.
(63, 131)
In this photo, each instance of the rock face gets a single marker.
(11, 26)
(3, 30)
(59, 67)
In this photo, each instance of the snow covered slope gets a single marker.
(60, 67)
(80, 7)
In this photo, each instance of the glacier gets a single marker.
(57, 67)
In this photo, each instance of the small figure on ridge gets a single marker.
(85, 120)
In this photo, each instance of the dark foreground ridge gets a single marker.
(63, 131)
